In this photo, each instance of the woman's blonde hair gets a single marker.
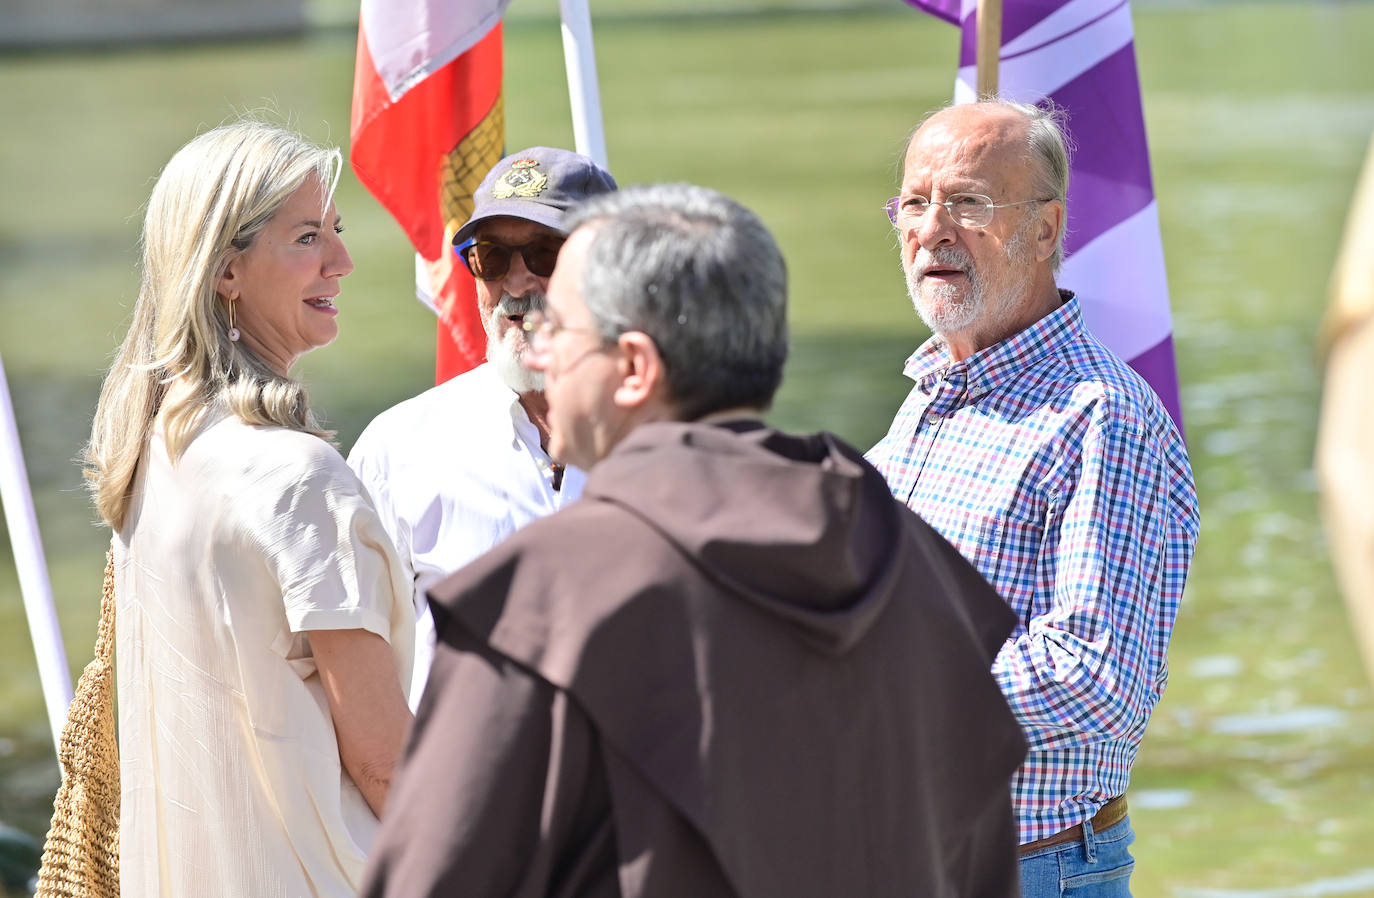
(211, 200)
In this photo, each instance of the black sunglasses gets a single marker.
(491, 261)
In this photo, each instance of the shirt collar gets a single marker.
(497, 395)
(989, 368)
(503, 398)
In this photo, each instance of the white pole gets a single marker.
(580, 59)
(32, 568)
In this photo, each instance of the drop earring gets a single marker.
(233, 331)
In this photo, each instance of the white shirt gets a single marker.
(231, 782)
(453, 472)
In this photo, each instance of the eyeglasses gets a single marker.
(491, 261)
(969, 210)
(540, 328)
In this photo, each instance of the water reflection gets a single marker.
(1159, 799)
(1293, 720)
(1361, 882)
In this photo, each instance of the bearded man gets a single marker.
(462, 466)
(1050, 465)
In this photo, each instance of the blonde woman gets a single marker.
(263, 627)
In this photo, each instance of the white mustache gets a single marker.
(941, 257)
(520, 305)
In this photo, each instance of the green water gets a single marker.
(1258, 118)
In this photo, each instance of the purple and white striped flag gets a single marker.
(1081, 55)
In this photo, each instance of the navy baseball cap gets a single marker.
(538, 185)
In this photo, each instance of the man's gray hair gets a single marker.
(703, 277)
(1047, 144)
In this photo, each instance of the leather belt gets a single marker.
(1107, 816)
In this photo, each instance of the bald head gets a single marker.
(982, 129)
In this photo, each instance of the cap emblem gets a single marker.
(522, 179)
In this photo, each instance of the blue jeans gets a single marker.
(1097, 866)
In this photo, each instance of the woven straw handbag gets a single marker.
(81, 854)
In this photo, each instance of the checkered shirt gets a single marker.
(1055, 469)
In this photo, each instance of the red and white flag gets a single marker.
(428, 123)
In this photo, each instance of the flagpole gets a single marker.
(32, 568)
(989, 45)
(580, 59)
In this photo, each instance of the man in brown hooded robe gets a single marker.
(736, 667)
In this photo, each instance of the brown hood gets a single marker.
(810, 541)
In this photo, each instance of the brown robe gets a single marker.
(736, 667)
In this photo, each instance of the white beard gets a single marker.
(507, 344)
(946, 311)
(982, 305)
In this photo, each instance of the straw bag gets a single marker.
(81, 854)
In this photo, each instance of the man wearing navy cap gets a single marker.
(457, 469)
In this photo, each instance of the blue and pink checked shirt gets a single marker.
(1054, 468)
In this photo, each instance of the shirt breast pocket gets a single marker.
(1006, 551)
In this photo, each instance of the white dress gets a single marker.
(230, 774)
